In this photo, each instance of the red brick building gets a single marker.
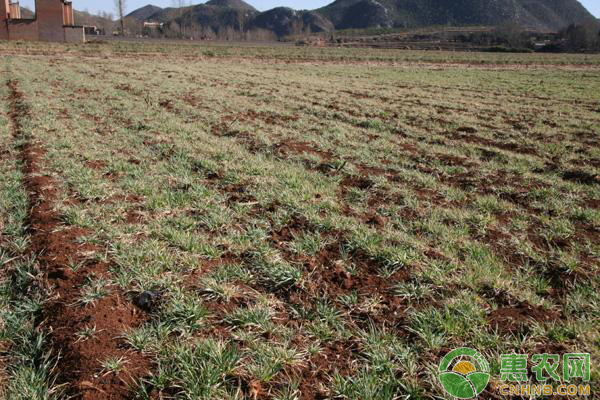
(53, 22)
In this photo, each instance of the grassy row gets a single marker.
(28, 369)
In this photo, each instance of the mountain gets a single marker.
(217, 17)
(226, 19)
(235, 4)
(357, 14)
(286, 21)
(142, 14)
(235, 19)
(202, 11)
(535, 14)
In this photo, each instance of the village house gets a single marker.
(53, 22)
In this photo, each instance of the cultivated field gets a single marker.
(194, 222)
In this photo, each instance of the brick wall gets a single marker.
(24, 29)
(50, 20)
(3, 30)
(4, 8)
(3, 15)
(74, 34)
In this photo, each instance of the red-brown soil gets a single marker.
(512, 319)
(333, 357)
(328, 277)
(466, 134)
(58, 247)
(293, 147)
(96, 164)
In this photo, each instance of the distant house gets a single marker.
(93, 31)
(53, 22)
(152, 25)
(541, 45)
(152, 28)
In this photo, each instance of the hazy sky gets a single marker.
(108, 5)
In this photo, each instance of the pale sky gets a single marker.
(108, 5)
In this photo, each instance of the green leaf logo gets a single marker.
(464, 373)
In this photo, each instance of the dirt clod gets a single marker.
(146, 300)
(512, 319)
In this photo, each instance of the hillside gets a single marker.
(286, 21)
(235, 4)
(202, 12)
(536, 14)
(144, 12)
(237, 18)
